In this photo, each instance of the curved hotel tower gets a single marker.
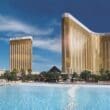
(83, 49)
(21, 53)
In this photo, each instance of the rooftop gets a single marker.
(68, 15)
(21, 38)
(54, 69)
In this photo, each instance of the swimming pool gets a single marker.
(28, 97)
(54, 97)
(92, 98)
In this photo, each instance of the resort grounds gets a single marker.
(54, 75)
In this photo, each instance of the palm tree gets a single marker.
(23, 74)
(13, 74)
(6, 75)
(29, 71)
(107, 72)
(102, 71)
(74, 76)
(85, 75)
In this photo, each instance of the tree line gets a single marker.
(54, 76)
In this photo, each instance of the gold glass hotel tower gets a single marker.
(83, 49)
(21, 53)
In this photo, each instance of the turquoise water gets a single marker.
(23, 97)
(33, 98)
(92, 98)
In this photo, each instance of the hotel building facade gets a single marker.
(83, 49)
(21, 53)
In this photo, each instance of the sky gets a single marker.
(42, 20)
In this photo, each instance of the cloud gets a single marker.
(39, 58)
(16, 28)
(39, 67)
(44, 66)
(53, 45)
(54, 22)
(4, 39)
(44, 63)
(9, 24)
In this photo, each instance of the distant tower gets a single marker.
(21, 53)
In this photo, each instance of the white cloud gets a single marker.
(4, 39)
(16, 27)
(40, 58)
(48, 44)
(44, 66)
(9, 24)
(54, 22)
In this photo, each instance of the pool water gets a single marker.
(20, 97)
(29, 97)
(92, 98)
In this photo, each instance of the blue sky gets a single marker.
(42, 20)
